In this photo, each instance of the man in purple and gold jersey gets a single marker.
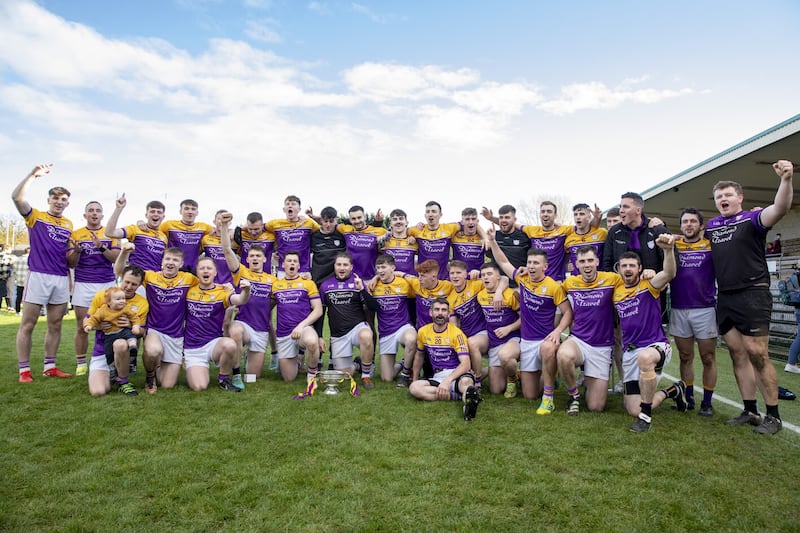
(298, 308)
(166, 294)
(48, 281)
(150, 241)
(693, 317)
(502, 326)
(391, 295)
(584, 233)
(744, 302)
(362, 241)
(211, 244)
(399, 244)
(467, 243)
(466, 313)
(540, 297)
(186, 233)
(251, 327)
(293, 234)
(203, 340)
(446, 347)
(427, 287)
(92, 256)
(254, 232)
(647, 350)
(592, 333)
(434, 238)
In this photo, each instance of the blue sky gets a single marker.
(238, 103)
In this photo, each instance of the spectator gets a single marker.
(6, 267)
(20, 272)
(794, 349)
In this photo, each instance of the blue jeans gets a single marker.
(794, 349)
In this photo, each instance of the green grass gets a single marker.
(259, 461)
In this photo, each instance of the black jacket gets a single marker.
(617, 243)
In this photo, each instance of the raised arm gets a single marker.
(783, 198)
(111, 229)
(223, 228)
(18, 194)
(244, 296)
(122, 258)
(498, 254)
(666, 242)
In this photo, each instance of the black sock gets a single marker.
(751, 406)
(772, 410)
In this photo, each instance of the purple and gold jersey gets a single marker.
(293, 237)
(693, 286)
(465, 306)
(205, 313)
(425, 298)
(186, 237)
(403, 251)
(293, 299)
(392, 301)
(212, 247)
(469, 248)
(257, 312)
(266, 240)
(138, 304)
(639, 311)
(593, 308)
(92, 265)
(596, 238)
(150, 245)
(435, 244)
(552, 242)
(49, 239)
(497, 319)
(738, 245)
(167, 299)
(362, 245)
(443, 349)
(538, 303)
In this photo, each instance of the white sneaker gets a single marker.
(794, 369)
(618, 388)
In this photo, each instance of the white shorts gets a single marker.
(343, 346)
(258, 339)
(530, 360)
(596, 359)
(83, 292)
(494, 353)
(43, 289)
(630, 367)
(173, 347)
(388, 344)
(288, 347)
(200, 356)
(700, 323)
(98, 363)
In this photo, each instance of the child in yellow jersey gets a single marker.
(113, 312)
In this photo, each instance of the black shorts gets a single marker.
(108, 342)
(748, 310)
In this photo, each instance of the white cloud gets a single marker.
(458, 128)
(597, 95)
(262, 30)
(320, 8)
(74, 152)
(378, 18)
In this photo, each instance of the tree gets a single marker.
(528, 210)
(12, 230)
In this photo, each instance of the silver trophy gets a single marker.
(331, 380)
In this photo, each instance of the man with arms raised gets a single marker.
(149, 242)
(446, 347)
(744, 302)
(513, 241)
(584, 233)
(48, 282)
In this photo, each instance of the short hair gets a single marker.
(469, 212)
(292, 252)
(58, 191)
(292, 198)
(548, 202)
(490, 265)
(328, 213)
(355, 208)
(204, 258)
(385, 259)
(613, 212)
(508, 208)
(190, 202)
(725, 184)
(343, 255)
(429, 265)
(580, 206)
(456, 263)
(537, 251)
(434, 202)
(254, 217)
(630, 255)
(691, 211)
(257, 248)
(135, 270)
(90, 203)
(155, 204)
(109, 292)
(174, 250)
(220, 211)
(398, 213)
(441, 301)
(636, 197)
(583, 250)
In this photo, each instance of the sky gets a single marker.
(239, 103)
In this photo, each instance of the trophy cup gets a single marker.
(331, 380)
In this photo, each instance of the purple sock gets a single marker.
(222, 377)
(707, 394)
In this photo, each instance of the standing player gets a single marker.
(511, 240)
(362, 241)
(211, 244)
(149, 242)
(254, 232)
(446, 347)
(693, 297)
(467, 243)
(434, 238)
(399, 244)
(584, 233)
(744, 302)
(48, 282)
(186, 233)
(92, 257)
(293, 234)
(326, 244)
